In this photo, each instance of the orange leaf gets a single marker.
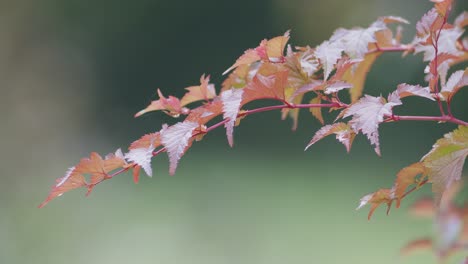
(423, 208)
(417, 245)
(268, 50)
(94, 166)
(357, 77)
(205, 91)
(376, 199)
(406, 177)
(170, 105)
(146, 141)
(266, 87)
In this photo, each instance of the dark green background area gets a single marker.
(72, 75)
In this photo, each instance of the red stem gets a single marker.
(436, 50)
(444, 118)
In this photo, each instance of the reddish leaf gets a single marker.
(343, 133)
(146, 141)
(266, 87)
(268, 50)
(170, 106)
(205, 113)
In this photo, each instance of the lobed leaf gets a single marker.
(368, 113)
(203, 92)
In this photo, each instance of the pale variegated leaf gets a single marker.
(337, 86)
(231, 103)
(405, 90)
(142, 157)
(368, 113)
(175, 139)
(328, 54)
(343, 133)
(355, 41)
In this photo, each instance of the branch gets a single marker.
(444, 118)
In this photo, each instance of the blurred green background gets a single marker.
(73, 73)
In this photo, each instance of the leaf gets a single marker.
(206, 112)
(70, 181)
(355, 41)
(94, 166)
(170, 106)
(205, 91)
(376, 199)
(447, 43)
(446, 159)
(317, 111)
(368, 113)
(462, 20)
(423, 208)
(357, 77)
(237, 79)
(456, 81)
(98, 167)
(268, 50)
(423, 26)
(328, 54)
(231, 105)
(343, 133)
(275, 47)
(439, 67)
(308, 63)
(266, 87)
(176, 139)
(405, 90)
(443, 6)
(424, 244)
(146, 141)
(335, 87)
(250, 56)
(393, 19)
(406, 177)
(292, 113)
(142, 157)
